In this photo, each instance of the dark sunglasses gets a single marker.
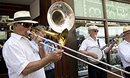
(26, 25)
(95, 30)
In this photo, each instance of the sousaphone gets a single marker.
(61, 18)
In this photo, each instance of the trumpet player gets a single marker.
(22, 58)
(90, 42)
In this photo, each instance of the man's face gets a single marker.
(127, 35)
(22, 30)
(93, 32)
(41, 33)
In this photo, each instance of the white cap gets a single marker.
(92, 27)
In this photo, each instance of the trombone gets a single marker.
(82, 55)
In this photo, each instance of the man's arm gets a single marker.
(89, 54)
(36, 65)
(110, 47)
(42, 51)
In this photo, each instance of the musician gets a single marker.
(22, 58)
(90, 42)
(49, 70)
(124, 50)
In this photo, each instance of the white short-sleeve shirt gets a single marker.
(89, 43)
(18, 51)
(124, 53)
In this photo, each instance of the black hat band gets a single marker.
(22, 18)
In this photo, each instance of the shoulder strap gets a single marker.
(98, 43)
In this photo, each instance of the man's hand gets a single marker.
(115, 40)
(55, 55)
(94, 55)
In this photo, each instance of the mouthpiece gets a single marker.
(29, 32)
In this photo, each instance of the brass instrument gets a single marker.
(61, 37)
(84, 56)
(60, 16)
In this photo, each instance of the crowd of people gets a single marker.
(27, 59)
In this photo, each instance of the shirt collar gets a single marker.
(126, 42)
(17, 36)
(92, 38)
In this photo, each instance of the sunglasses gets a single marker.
(95, 30)
(26, 25)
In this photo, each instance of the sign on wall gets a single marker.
(117, 10)
(88, 8)
(94, 8)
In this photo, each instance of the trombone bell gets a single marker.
(62, 37)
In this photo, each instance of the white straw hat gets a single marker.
(92, 27)
(22, 16)
(126, 29)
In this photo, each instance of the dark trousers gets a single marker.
(127, 69)
(50, 74)
(97, 73)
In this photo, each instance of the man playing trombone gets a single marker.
(124, 50)
(90, 42)
(22, 58)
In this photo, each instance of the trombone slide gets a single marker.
(82, 55)
(85, 61)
